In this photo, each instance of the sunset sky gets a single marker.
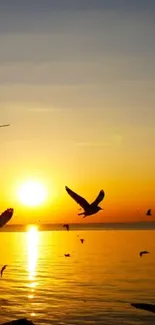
(77, 85)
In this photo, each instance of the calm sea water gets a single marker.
(94, 286)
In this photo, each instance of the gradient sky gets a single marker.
(77, 84)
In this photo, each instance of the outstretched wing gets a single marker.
(148, 307)
(6, 216)
(99, 198)
(79, 199)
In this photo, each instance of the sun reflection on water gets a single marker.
(32, 250)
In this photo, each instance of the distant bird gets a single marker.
(148, 307)
(4, 125)
(82, 240)
(6, 216)
(143, 252)
(2, 269)
(67, 255)
(148, 213)
(66, 225)
(89, 209)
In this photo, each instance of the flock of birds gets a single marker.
(88, 210)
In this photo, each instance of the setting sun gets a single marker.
(32, 193)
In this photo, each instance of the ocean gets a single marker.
(95, 285)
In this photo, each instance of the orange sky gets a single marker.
(78, 90)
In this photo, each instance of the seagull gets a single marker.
(148, 307)
(89, 209)
(143, 252)
(2, 269)
(6, 216)
(66, 226)
(148, 213)
(67, 255)
(4, 125)
(82, 240)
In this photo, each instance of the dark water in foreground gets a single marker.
(94, 286)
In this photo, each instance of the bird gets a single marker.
(6, 216)
(82, 240)
(66, 225)
(4, 125)
(143, 252)
(148, 213)
(148, 307)
(67, 255)
(89, 209)
(3, 268)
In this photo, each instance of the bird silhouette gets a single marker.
(66, 225)
(148, 307)
(143, 252)
(148, 213)
(3, 268)
(82, 240)
(4, 125)
(6, 216)
(89, 209)
(67, 255)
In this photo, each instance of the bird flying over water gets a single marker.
(89, 209)
(67, 255)
(148, 307)
(66, 225)
(143, 252)
(148, 213)
(6, 216)
(82, 240)
(3, 268)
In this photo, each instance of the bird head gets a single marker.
(99, 208)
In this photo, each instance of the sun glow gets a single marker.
(32, 193)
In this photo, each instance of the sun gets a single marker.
(32, 193)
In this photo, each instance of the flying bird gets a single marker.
(4, 125)
(2, 269)
(148, 307)
(67, 255)
(143, 252)
(6, 216)
(82, 240)
(66, 225)
(89, 209)
(148, 213)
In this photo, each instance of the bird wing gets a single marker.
(79, 199)
(6, 216)
(99, 198)
(148, 307)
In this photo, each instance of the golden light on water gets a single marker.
(32, 249)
